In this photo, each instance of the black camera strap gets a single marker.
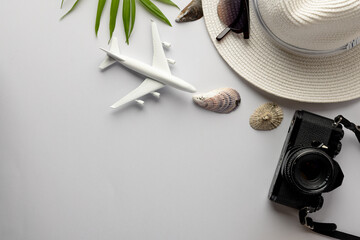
(329, 229)
(349, 125)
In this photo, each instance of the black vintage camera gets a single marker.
(306, 167)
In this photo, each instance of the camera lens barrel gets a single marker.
(309, 170)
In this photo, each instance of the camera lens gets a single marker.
(309, 170)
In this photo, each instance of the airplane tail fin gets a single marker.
(114, 50)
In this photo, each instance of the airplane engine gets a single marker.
(166, 44)
(171, 61)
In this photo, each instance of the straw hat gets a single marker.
(303, 50)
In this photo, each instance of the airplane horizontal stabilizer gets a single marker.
(106, 63)
(110, 59)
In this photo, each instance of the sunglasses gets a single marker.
(234, 14)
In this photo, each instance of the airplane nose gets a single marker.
(182, 85)
(188, 87)
(192, 89)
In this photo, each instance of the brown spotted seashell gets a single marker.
(193, 11)
(222, 100)
(266, 117)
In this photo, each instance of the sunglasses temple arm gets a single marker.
(223, 34)
(247, 26)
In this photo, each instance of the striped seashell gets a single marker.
(222, 100)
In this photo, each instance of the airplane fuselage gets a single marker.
(155, 74)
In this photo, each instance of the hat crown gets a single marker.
(312, 24)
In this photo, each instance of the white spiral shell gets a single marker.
(222, 100)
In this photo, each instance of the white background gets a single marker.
(73, 168)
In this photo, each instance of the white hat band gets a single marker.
(300, 50)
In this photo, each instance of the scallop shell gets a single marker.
(222, 100)
(266, 117)
(193, 11)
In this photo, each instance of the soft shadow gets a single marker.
(165, 93)
(132, 106)
(285, 211)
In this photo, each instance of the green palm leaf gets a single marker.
(128, 15)
(153, 9)
(133, 14)
(71, 9)
(129, 12)
(100, 9)
(169, 2)
(113, 13)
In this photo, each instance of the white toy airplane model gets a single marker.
(158, 75)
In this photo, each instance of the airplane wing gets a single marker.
(159, 58)
(147, 86)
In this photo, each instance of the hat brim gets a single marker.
(258, 60)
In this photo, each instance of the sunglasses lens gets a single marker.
(235, 15)
(228, 11)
